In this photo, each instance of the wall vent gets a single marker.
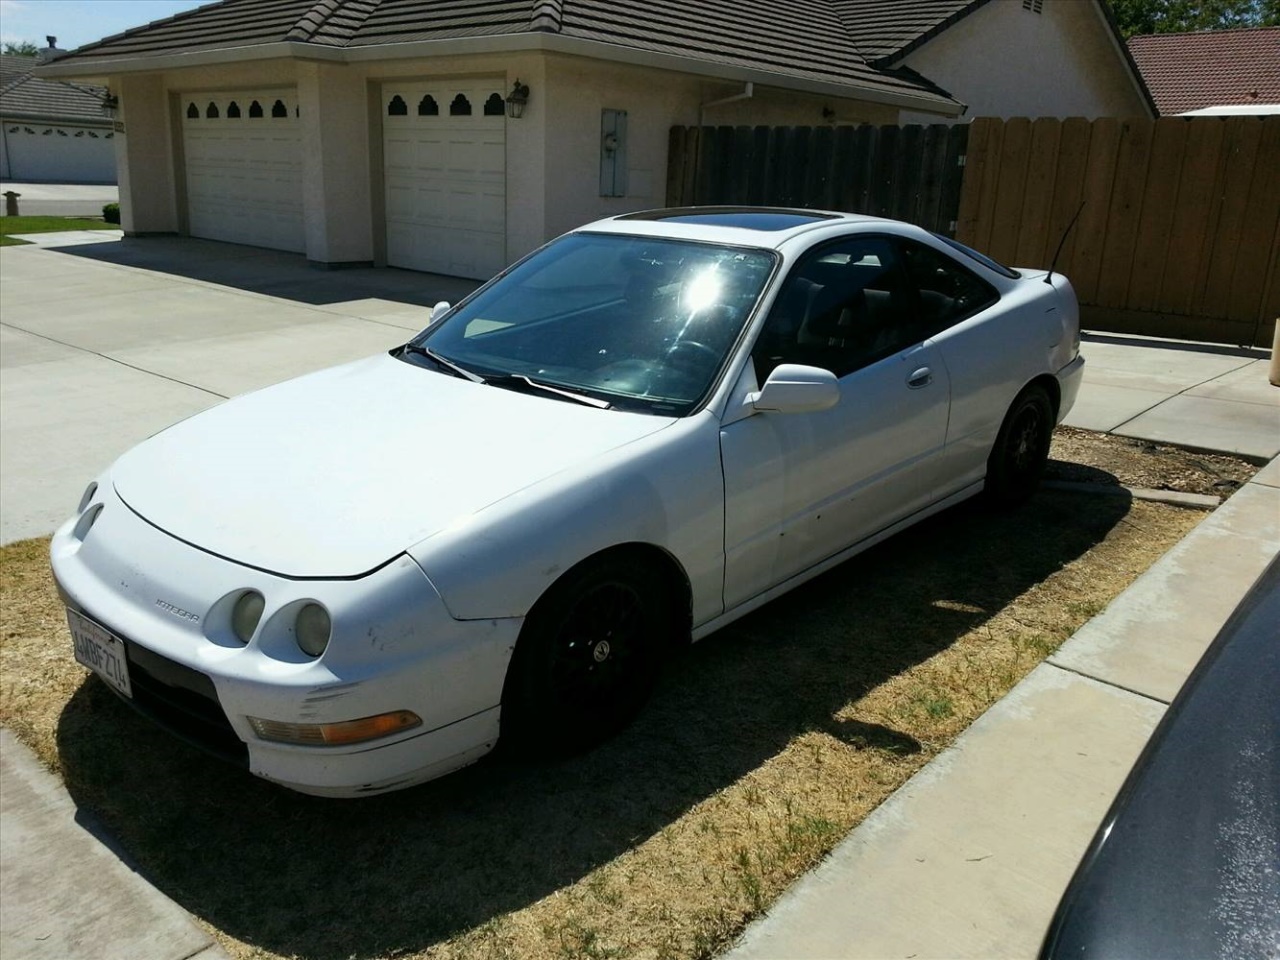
(1035, 6)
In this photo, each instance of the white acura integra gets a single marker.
(363, 578)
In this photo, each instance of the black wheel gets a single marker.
(1021, 451)
(587, 658)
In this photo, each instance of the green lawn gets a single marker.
(12, 225)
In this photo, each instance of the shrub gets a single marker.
(111, 213)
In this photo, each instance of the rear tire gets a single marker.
(1017, 461)
(587, 657)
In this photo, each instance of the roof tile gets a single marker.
(23, 96)
(1189, 71)
(836, 41)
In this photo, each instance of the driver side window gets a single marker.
(843, 307)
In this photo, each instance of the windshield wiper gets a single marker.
(520, 382)
(444, 364)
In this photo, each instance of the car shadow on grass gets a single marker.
(395, 874)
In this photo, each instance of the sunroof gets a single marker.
(745, 218)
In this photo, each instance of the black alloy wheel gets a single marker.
(1017, 461)
(587, 658)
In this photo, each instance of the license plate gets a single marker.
(100, 651)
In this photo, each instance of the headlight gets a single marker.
(312, 629)
(89, 491)
(86, 521)
(246, 614)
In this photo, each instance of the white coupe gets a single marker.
(366, 577)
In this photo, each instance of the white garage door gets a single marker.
(57, 152)
(244, 167)
(446, 162)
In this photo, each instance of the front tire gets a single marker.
(587, 658)
(1018, 459)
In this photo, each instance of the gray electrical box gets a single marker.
(613, 153)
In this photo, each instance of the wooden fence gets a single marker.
(1178, 236)
(909, 173)
(1179, 233)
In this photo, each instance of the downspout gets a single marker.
(747, 93)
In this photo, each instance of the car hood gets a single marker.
(334, 473)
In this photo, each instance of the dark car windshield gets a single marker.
(645, 324)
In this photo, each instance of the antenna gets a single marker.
(1048, 277)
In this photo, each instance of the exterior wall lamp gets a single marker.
(517, 99)
(110, 105)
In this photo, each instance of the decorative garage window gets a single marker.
(233, 111)
(211, 111)
(278, 109)
(397, 107)
(193, 112)
(255, 111)
(460, 107)
(495, 106)
(427, 107)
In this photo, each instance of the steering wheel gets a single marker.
(696, 348)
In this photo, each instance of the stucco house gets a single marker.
(51, 131)
(454, 136)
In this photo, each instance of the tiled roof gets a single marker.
(1188, 71)
(890, 29)
(829, 40)
(26, 97)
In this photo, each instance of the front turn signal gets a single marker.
(336, 734)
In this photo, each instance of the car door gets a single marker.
(801, 487)
(981, 342)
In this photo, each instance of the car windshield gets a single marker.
(639, 323)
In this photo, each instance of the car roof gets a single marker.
(767, 227)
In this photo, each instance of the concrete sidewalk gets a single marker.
(970, 857)
(1196, 395)
(64, 893)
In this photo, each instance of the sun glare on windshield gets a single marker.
(644, 323)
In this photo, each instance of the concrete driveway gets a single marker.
(103, 344)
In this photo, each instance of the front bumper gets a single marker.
(394, 647)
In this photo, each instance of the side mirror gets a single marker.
(793, 388)
(439, 310)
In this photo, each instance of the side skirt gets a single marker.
(760, 599)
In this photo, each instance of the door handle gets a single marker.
(921, 378)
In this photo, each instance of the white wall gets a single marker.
(56, 152)
(1004, 61)
(144, 157)
(578, 89)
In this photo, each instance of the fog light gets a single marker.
(312, 629)
(246, 614)
(335, 734)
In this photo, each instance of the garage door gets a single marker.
(445, 154)
(244, 167)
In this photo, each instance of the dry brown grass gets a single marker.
(764, 745)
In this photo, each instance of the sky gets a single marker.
(77, 22)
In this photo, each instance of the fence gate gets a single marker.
(911, 173)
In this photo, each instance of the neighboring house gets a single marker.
(391, 131)
(1212, 69)
(52, 131)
